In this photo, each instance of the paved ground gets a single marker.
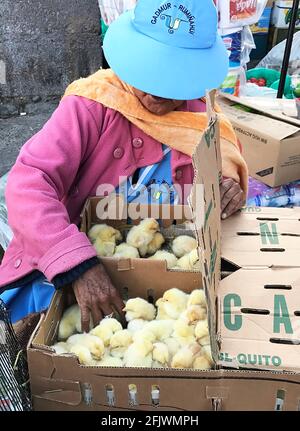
(15, 131)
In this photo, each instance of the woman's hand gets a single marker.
(96, 294)
(232, 197)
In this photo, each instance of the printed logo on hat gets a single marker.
(171, 22)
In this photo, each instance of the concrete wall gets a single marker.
(44, 45)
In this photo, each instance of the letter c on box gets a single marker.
(232, 323)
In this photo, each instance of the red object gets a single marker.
(253, 80)
(261, 82)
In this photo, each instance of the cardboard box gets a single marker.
(141, 272)
(281, 16)
(60, 383)
(259, 303)
(270, 144)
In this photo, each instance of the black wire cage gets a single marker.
(14, 379)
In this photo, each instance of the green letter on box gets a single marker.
(236, 300)
(267, 235)
(281, 315)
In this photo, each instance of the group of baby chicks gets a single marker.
(145, 240)
(174, 334)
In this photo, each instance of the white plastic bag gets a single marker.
(5, 231)
(273, 60)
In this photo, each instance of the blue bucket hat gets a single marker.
(169, 49)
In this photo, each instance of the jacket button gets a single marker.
(18, 263)
(178, 175)
(137, 142)
(118, 153)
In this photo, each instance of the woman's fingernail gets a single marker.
(224, 216)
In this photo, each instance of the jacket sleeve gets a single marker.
(40, 180)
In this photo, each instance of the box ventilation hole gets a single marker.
(273, 250)
(291, 234)
(254, 311)
(297, 313)
(132, 395)
(87, 393)
(279, 400)
(110, 395)
(278, 286)
(284, 341)
(155, 395)
(247, 233)
(150, 296)
(267, 218)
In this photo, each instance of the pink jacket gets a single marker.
(82, 146)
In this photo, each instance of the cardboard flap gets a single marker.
(61, 391)
(259, 318)
(276, 129)
(204, 201)
(259, 237)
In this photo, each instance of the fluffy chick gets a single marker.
(162, 329)
(110, 361)
(201, 363)
(61, 348)
(170, 258)
(92, 343)
(83, 354)
(201, 330)
(138, 308)
(161, 312)
(206, 351)
(119, 343)
(139, 354)
(105, 330)
(153, 246)
(185, 357)
(193, 314)
(173, 346)
(183, 244)
(189, 262)
(126, 251)
(105, 233)
(173, 303)
(160, 354)
(136, 325)
(144, 334)
(183, 333)
(69, 320)
(141, 235)
(197, 297)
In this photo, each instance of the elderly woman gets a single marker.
(136, 123)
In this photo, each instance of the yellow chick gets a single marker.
(139, 354)
(141, 235)
(61, 348)
(153, 246)
(197, 297)
(206, 351)
(105, 233)
(183, 333)
(119, 343)
(189, 262)
(174, 302)
(83, 354)
(184, 358)
(160, 354)
(170, 258)
(183, 244)
(138, 308)
(144, 334)
(201, 363)
(162, 329)
(69, 320)
(136, 325)
(126, 251)
(94, 344)
(173, 346)
(110, 361)
(161, 312)
(193, 314)
(201, 330)
(105, 330)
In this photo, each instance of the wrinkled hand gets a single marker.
(232, 197)
(96, 294)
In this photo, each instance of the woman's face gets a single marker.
(157, 105)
